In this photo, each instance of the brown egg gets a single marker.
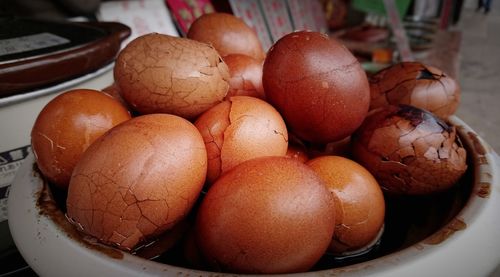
(267, 215)
(409, 150)
(163, 74)
(317, 85)
(336, 148)
(228, 34)
(138, 180)
(114, 91)
(240, 129)
(67, 125)
(246, 76)
(297, 152)
(359, 205)
(297, 149)
(416, 84)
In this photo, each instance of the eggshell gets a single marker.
(360, 206)
(114, 91)
(317, 85)
(163, 74)
(67, 125)
(138, 180)
(240, 129)
(416, 84)
(267, 215)
(297, 152)
(228, 34)
(409, 150)
(246, 76)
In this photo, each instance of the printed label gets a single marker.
(10, 161)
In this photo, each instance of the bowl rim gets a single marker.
(37, 235)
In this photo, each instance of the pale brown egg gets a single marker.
(138, 180)
(240, 129)
(409, 150)
(416, 84)
(246, 76)
(158, 73)
(266, 215)
(317, 85)
(67, 125)
(228, 34)
(359, 205)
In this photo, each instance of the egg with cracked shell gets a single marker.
(138, 180)
(359, 205)
(318, 86)
(239, 129)
(410, 151)
(157, 73)
(67, 125)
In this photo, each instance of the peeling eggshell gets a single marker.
(359, 205)
(266, 215)
(228, 34)
(158, 73)
(138, 180)
(409, 150)
(416, 84)
(246, 76)
(67, 125)
(318, 86)
(240, 129)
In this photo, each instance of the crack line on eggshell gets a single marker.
(49, 139)
(215, 142)
(342, 68)
(394, 88)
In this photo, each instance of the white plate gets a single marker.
(473, 251)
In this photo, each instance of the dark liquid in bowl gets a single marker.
(408, 221)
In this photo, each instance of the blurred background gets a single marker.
(457, 36)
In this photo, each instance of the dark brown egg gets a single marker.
(228, 34)
(297, 152)
(158, 73)
(317, 85)
(409, 150)
(416, 84)
(267, 215)
(138, 180)
(240, 129)
(360, 206)
(67, 125)
(246, 76)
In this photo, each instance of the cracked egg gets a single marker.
(246, 76)
(318, 86)
(416, 84)
(138, 180)
(410, 150)
(359, 204)
(158, 73)
(239, 129)
(67, 125)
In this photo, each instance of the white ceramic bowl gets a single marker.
(469, 245)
